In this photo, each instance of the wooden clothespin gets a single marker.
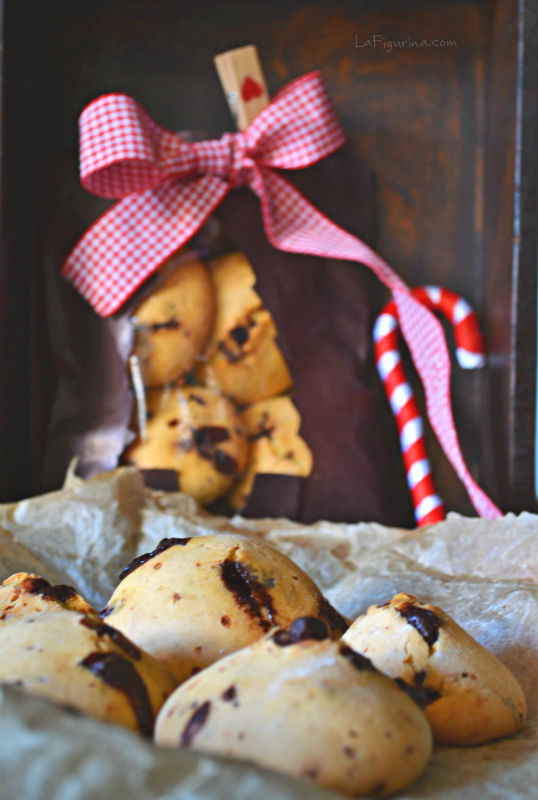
(242, 79)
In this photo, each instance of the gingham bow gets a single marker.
(169, 187)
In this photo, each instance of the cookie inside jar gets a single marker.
(212, 387)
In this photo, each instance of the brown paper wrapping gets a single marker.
(482, 573)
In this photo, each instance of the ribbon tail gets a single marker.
(133, 238)
(426, 341)
(292, 224)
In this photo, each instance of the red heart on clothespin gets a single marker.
(250, 89)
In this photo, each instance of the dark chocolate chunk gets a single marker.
(224, 463)
(168, 325)
(249, 593)
(239, 334)
(205, 440)
(261, 433)
(230, 355)
(264, 429)
(164, 544)
(196, 722)
(357, 659)
(417, 691)
(115, 670)
(336, 622)
(308, 628)
(230, 693)
(423, 620)
(190, 379)
(282, 637)
(102, 629)
(61, 592)
(195, 398)
(300, 629)
(207, 435)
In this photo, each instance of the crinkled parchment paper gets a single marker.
(483, 573)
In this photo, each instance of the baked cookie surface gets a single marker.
(198, 433)
(79, 661)
(173, 323)
(192, 601)
(302, 704)
(24, 593)
(468, 695)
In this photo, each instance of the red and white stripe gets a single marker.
(427, 504)
(467, 336)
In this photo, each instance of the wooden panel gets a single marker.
(447, 128)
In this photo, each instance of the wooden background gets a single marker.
(448, 130)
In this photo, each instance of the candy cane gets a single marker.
(467, 336)
(427, 504)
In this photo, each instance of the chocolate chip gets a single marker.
(115, 670)
(359, 661)
(224, 463)
(423, 620)
(226, 621)
(61, 592)
(230, 694)
(190, 379)
(249, 593)
(207, 435)
(102, 629)
(239, 334)
(264, 429)
(164, 544)
(195, 398)
(300, 629)
(417, 691)
(167, 325)
(282, 638)
(195, 724)
(206, 439)
(336, 622)
(260, 434)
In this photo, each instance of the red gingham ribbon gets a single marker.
(170, 187)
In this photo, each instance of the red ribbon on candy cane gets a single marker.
(169, 187)
(427, 504)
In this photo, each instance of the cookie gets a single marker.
(469, 696)
(275, 445)
(301, 704)
(247, 363)
(24, 593)
(198, 433)
(173, 323)
(79, 661)
(244, 359)
(235, 296)
(192, 601)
